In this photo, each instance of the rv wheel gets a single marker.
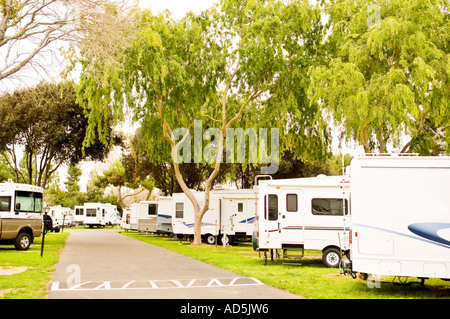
(210, 239)
(331, 257)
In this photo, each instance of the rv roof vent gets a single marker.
(321, 176)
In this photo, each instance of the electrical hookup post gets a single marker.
(44, 228)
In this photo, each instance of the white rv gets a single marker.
(304, 213)
(165, 207)
(126, 219)
(95, 215)
(61, 216)
(79, 215)
(112, 214)
(21, 208)
(146, 215)
(400, 210)
(237, 210)
(183, 217)
(231, 212)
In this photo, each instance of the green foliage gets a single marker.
(50, 127)
(388, 75)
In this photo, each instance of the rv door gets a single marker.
(271, 219)
(291, 217)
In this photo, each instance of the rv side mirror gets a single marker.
(17, 208)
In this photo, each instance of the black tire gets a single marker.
(331, 257)
(22, 241)
(210, 239)
(255, 241)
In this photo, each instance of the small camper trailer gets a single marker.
(400, 208)
(304, 213)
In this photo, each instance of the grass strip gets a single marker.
(31, 283)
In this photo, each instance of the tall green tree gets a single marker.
(241, 59)
(47, 125)
(388, 76)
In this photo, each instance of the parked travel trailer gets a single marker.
(79, 215)
(304, 213)
(183, 217)
(231, 212)
(146, 214)
(400, 210)
(165, 206)
(237, 210)
(95, 215)
(126, 219)
(112, 214)
(60, 216)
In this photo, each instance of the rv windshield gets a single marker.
(30, 202)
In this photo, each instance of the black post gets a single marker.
(44, 230)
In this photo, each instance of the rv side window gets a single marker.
(91, 212)
(329, 206)
(291, 203)
(179, 210)
(5, 204)
(152, 209)
(240, 207)
(79, 211)
(272, 212)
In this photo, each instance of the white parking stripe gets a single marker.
(159, 284)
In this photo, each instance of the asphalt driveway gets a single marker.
(99, 264)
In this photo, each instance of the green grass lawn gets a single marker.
(32, 283)
(311, 279)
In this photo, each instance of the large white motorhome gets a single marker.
(21, 208)
(400, 210)
(231, 212)
(304, 213)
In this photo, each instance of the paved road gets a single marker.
(104, 264)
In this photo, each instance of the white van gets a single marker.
(400, 210)
(304, 213)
